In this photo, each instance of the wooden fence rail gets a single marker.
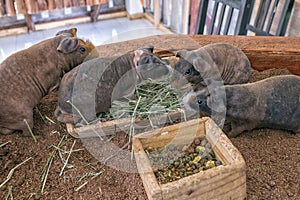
(20, 13)
(13, 7)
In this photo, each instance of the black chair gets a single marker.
(266, 13)
(244, 7)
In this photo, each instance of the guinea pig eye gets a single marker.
(188, 72)
(200, 102)
(82, 49)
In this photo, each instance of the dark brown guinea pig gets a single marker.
(28, 75)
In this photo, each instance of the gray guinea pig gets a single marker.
(93, 86)
(270, 103)
(220, 62)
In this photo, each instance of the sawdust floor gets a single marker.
(272, 158)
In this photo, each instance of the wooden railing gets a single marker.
(13, 7)
(17, 13)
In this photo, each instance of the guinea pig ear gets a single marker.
(149, 48)
(74, 32)
(200, 65)
(68, 32)
(137, 56)
(67, 45)
(181, 53)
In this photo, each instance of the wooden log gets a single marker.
(75, 3)
(10, 8)
(194, 15)
(157, 13)
(264, 52)
(67, 3)
(51, 4)
(90, 2)
(31, 6)
(186, 16)
(42, 5)
(21, 7)
(59, 4)
(2, 8)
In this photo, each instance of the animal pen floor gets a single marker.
(272, 158)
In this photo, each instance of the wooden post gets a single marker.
(157, 12)
(29, 23)
(95, 9)
(186, 14)
(10, 8)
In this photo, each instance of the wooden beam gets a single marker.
(112, 15)
(62, 23)
(13, 31)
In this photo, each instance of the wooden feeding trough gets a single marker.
(227, 181)
(122, 124)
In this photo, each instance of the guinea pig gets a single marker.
(28, 75)
(269, 103)
(220, 62)
(93, 86)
